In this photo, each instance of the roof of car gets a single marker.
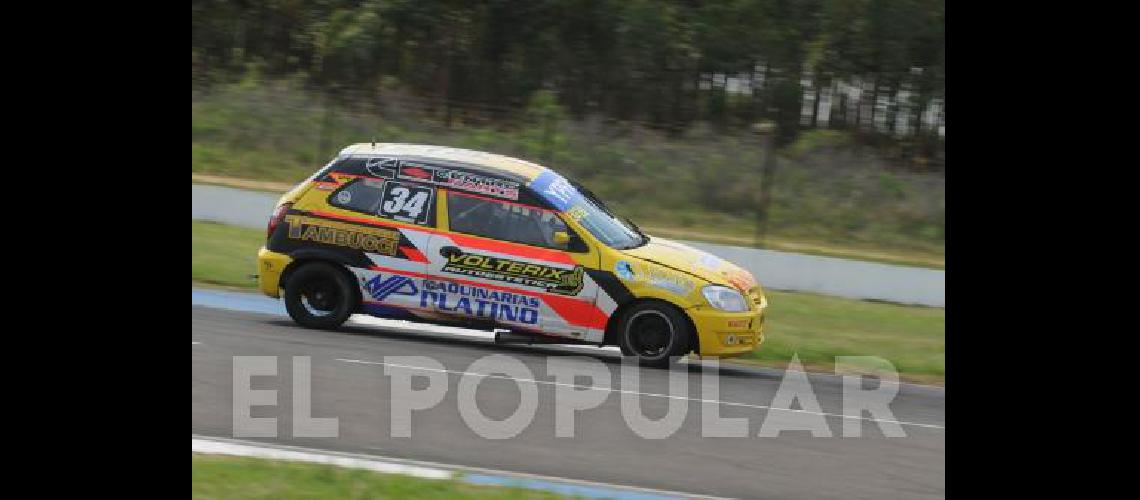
(490, 161)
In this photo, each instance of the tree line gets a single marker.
(873, 67)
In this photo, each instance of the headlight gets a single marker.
(724, 298)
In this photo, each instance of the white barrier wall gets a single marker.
(833, 276)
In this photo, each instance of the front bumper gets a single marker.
(727, 334)
(270, 264)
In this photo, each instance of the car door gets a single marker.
(390, 280)
(499, 261)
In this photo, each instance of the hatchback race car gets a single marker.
(454, 236)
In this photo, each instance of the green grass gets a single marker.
(815, 327)
(827, 198)
(225, 255)
(818, 328)
(214, 476)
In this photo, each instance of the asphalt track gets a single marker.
(349, 383)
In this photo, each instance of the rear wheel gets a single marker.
(319, 295)
(654, 333)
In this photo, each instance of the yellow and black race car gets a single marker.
(457, 236)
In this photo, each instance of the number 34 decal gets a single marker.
(406, 203)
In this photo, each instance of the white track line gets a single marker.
(195, 343)
(650, 394)
(252, 450)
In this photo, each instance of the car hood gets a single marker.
(696, 262)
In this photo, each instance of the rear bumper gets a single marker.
(727, 334)
(270, 265)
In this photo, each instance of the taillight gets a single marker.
(275, 219)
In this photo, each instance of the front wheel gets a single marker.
(654, 333)
(319, 295)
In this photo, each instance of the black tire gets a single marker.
(655, 333)
(320, 295)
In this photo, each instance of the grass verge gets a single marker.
(827, 196)
(225, 255)
(817, 328)
(216, 476)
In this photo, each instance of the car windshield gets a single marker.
(581, 205)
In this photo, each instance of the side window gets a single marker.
(395, 200)
(504, 221)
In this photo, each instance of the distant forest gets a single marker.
(873, 68)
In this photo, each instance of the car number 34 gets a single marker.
(405, 202)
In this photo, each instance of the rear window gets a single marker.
(389, 199)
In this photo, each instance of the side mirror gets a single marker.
(562, 239)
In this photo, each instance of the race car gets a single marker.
(455, 236)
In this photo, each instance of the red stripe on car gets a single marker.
(467, 241)
(417, 172)
(414, 254)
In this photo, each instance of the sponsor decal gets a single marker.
(382, 167)
(654, 276)
(557, 190)
(368, 239)
(554, 279)
(624, 270)
(667, 280)
(489, 186)
(710, 261)
(344, 197)
(576, 213)
(478, 302)
(460, 180)
(741, 280)
(380, 288)
(738, 323)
